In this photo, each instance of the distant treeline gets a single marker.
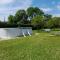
(6, 25)
(32, 17)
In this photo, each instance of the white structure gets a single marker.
(47, 30)
(15, 32)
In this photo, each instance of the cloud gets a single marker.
(6, 1)
(11, 6)
(24, 4)
(46, 9)
(58, 6)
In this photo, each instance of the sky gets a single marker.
(8, 7)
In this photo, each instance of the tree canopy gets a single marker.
(34, 11)
(32, 16)
(11, 19)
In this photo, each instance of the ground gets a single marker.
(39, 46)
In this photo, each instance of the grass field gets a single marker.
(39, 46)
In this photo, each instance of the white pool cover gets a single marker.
(14, 32)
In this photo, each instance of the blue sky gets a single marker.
(8, 7)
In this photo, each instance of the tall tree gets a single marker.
(21, 17)
(56, 22)
(38, 22)
(11, 19)
(20, 14)
(34, 11)
(47, 17)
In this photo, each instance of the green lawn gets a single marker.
(39, 46)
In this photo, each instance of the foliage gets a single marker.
(54, 22)
(38, 21)
(34, 11)
(32, 16)
(47, 17)
(20, 16)
(11, 19)
(50, 24)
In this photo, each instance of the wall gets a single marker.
(14, 32)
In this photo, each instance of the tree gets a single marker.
(11, 19)
(21, 17)
(47, 17)
(38, 22)
(56, 22)
(50, 24)
(34, 11)
(20, 14)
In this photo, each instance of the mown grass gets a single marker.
(39, 46)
